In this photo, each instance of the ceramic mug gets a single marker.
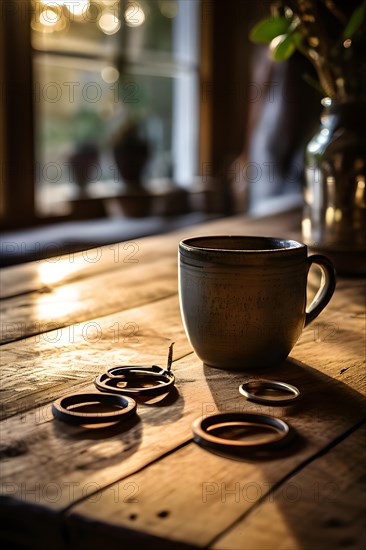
(243, 299)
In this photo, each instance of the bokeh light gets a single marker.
(109, 23)
(134, 15)
(110, 74)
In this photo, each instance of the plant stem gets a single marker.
(338, 14)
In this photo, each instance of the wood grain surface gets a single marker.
(146, 483)
(328, 492)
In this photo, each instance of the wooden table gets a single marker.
(147, 484)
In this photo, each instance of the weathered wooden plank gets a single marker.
(49, 466)
(200, 389)
(36, 313)
(37, 369)
(54, 465)
(41, 275)
(193, 495)
(323, 506)
(41, 370)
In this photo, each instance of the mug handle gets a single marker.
(326, 290)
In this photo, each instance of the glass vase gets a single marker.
(334, 215)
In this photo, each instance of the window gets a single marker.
(111, 76)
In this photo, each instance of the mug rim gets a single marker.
(188, 245)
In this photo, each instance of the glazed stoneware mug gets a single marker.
(243, 299)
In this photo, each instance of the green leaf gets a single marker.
(355, 21)
(286, 47)
(297, 38)
(268, 29)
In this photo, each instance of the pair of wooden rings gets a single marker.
(203, 428)
(114, 386)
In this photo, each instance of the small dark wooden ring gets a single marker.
(60, 408)
(247, 390)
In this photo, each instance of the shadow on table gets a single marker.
(125, 438)
(164, 409)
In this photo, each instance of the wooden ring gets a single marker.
(202, 435)
(60, 408)
(166, 379)
(133, 371)
(248, 388)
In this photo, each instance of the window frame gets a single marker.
(219, 71)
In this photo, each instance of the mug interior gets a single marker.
(240, 243)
